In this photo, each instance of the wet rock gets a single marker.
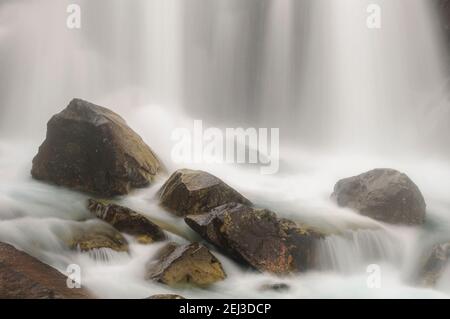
(435, 264)
(382, 194)
(25, 277)
(192, 264)
(195, 192)
(258, 238)
(127, 221)
(91, 149)
(98, 237)
(166, 296)
(277, 287)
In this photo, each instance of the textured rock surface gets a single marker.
(383, 194)
(97, 237)
(195, 192)
(258, 238)
(191, 264)
(91, 148)
(24, 277)
(127, 221)
(435, 264)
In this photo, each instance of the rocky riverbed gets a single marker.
(106, 202)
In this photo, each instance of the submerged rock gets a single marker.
(127, 221)
(258, 238)
(195, 192)
(92, 238)
(436, 264)
(91, 149)
(166, 296)
(191, 264)
(276, 287)
(25, 277)
(383, 194)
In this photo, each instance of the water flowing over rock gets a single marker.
(382, 194)
(99, 237)
(258, 238)
(127, 221)
(189, 192)
(166, 296)
(91, 148)
(24, 277)
(276, 287)
(436, 264)
(191, 264)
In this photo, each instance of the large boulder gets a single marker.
(25, 277)
(91, 148)
(383, 194)
(258, 238)
(127, 221)
(192, 264)
(435, 265)
(189, 192)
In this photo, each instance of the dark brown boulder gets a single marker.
(435, 264)
(258, 238)
(191, 264)
(25, 277)
(189, 192)
(91, 149)
(127, 221)
(382, 194)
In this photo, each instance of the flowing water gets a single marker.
(346, 99)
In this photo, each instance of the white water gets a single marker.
(133, 59)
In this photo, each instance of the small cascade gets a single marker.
(354, 250)
(105, 255)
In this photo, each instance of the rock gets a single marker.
(195, 192)
(191, 264)
(383, 194)
(435, 264)
(92, 238)
(91, 149)
(166, 296)
(277, 287)
(127, 221)
(25, 277)
(258, 238)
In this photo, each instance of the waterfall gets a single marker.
(346, 98)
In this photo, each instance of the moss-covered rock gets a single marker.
(127, 221)
(92, 149)
(189, 192)
(382, 194)
(97, 237)
(258, 238)
(180, 265)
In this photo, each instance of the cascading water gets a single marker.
(346, 98)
